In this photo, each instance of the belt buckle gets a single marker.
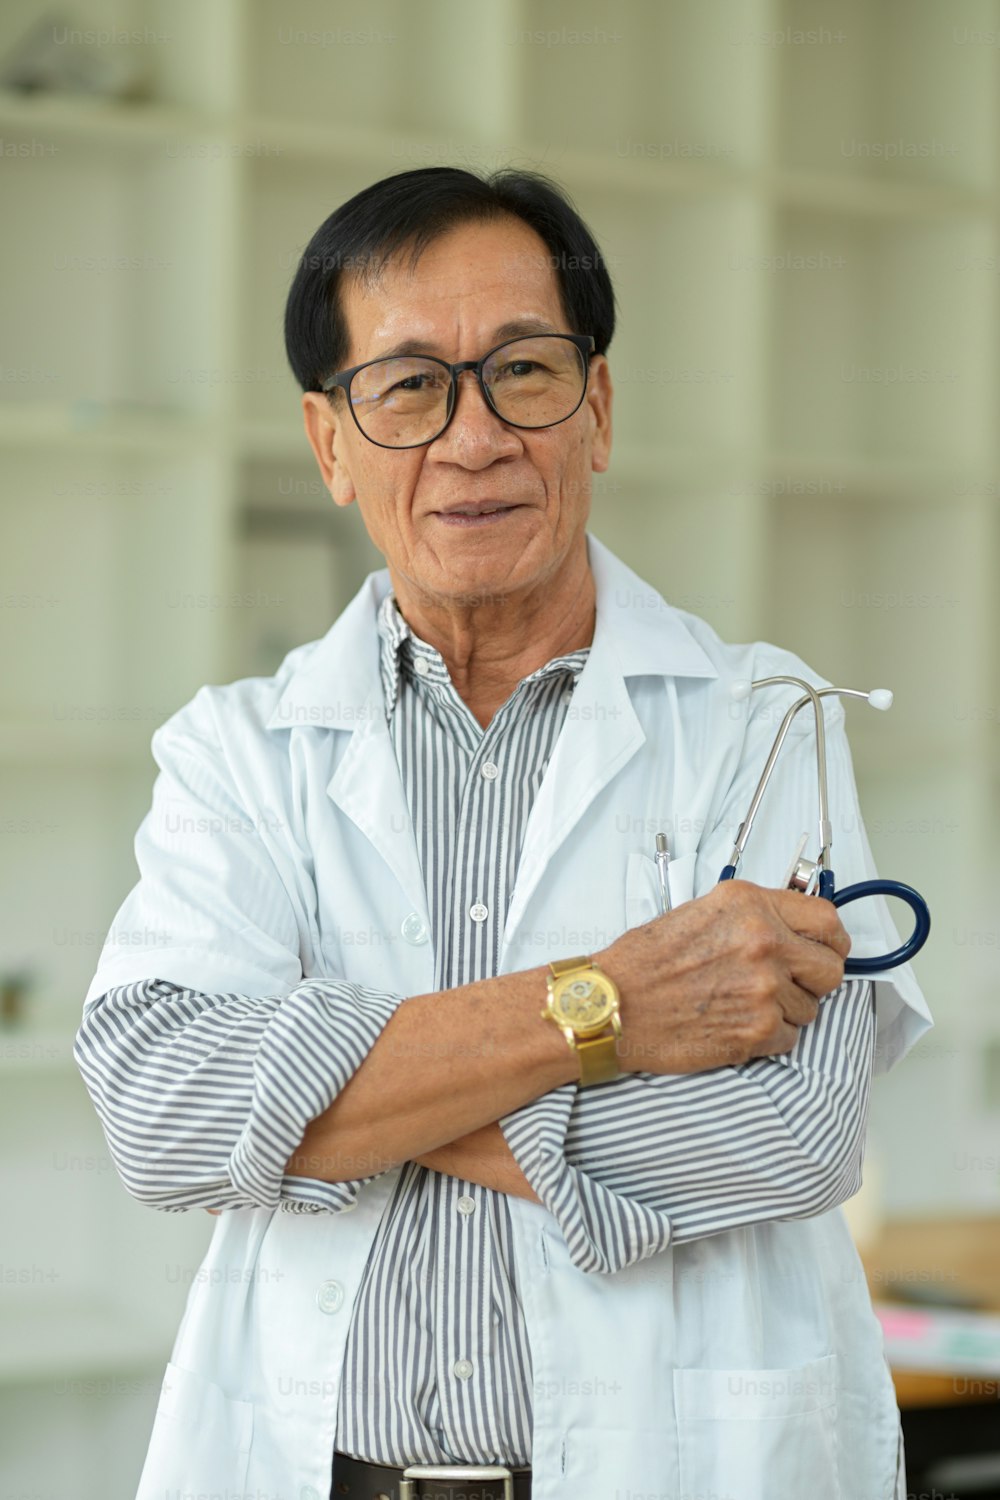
(471, 1472)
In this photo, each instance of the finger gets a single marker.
(815, 968)
(798, 1006)
(782, 1039)
(814, 918)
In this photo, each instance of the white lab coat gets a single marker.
(747, 1363)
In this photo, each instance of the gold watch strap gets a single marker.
(598, 1057)
(560, 966)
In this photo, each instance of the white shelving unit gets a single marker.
(806, 450)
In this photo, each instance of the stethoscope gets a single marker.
(815, 877)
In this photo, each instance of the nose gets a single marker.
(475, 437)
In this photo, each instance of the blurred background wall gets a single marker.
(800, 204)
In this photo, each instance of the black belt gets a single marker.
(358, 1480)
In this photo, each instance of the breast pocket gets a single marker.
(759, 1434)
(642, 886)
(200, 1441)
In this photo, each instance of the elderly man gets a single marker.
(524, 1185)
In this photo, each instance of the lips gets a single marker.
(476, 518)
(477, 508)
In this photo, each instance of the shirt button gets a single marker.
(490, 771)
(462, 1368)
(466, 1205)
(478, 912)
(421, 666)
(414, 928)
(330, 1297)
(346, 1208)
(567, 696)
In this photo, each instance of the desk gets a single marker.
(960, 1254)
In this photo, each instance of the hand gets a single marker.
(729, 976)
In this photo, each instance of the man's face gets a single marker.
(467, 287)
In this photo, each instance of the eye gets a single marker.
(520, 369)
(411, 383)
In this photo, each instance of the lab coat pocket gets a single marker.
(759, 1434)
(642, 886)
(200, 1441)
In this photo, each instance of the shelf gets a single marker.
(112, 300)
(889, 92)
(875, 198)
(834, 479)
(881, 348)
(77, 123)
(660, 169)
(824, 479)
(658, 80)
(871, 592)
(90, 426)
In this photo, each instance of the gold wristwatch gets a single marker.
(583, 1003)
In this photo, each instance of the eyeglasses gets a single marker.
(408, 400)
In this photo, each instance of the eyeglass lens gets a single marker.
(532, 382)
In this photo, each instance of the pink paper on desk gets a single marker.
(902, 1323)
(940, 1340)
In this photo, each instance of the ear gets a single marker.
(600, 395)
(325, 431)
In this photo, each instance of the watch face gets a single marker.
(582, 1002)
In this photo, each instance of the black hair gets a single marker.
(407, 211)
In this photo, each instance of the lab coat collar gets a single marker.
(336, 684)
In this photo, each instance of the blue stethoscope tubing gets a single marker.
(917, 938)
(825, 882)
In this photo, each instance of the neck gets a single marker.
(490, 644)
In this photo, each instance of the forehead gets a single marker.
(468, 282)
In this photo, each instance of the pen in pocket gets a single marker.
(663, 866)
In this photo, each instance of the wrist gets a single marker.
(558, 1059)
(607, 962)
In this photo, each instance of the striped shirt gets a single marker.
(437, 1366)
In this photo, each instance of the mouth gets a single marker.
(476, 513)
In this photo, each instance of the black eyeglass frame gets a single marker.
(583, 341)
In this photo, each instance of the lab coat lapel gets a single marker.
(368, 789)
(336, 685)
(635, 634)
(599, 736)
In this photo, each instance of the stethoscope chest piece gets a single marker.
(802, 872)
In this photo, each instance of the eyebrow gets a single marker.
(519, 328)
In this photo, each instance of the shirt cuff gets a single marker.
(603, 1230)
(312, 1047)
(307, 1195)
